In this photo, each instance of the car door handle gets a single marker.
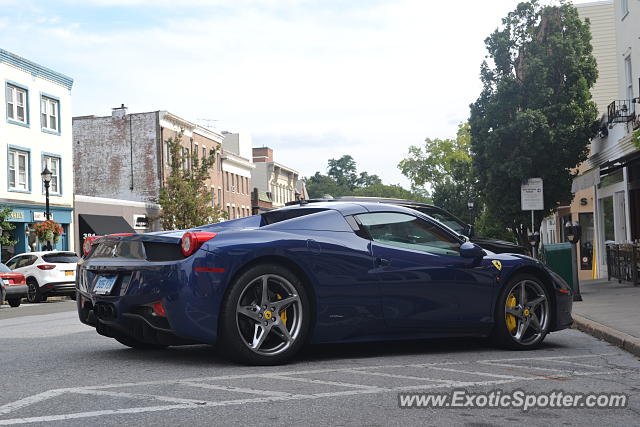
(381, 262)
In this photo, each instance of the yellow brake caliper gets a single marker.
(283, 315)
(510, 318)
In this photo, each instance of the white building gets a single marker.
(35, 132)
(613, 167)
(601, 17)
(276, 180)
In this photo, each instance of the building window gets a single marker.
(49, 114)
(226, 174)
(213, 197)
(53, 164)
(196, 153)
(628, 77)
(219, 197)
(233, 183)
(204, 153)
(17, 104)
(18, 170)
(185, 159)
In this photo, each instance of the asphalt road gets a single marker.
(56, 371)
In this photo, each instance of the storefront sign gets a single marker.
(16, 215)
(39, 216)
(531, 195)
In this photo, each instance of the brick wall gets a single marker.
(117, 157)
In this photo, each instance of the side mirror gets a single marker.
(469, 230)
(471, 250)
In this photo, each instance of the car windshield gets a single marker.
(445, 218)
(4, 269)
(61, 258)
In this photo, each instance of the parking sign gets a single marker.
(531, 195)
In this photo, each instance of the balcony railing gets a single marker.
(621, 111)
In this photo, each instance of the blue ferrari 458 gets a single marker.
(262, 287)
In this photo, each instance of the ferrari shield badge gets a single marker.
(497, 264)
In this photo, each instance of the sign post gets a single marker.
(532, 199)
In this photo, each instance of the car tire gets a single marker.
(259, 330)
(2, 295)
(522, 320)
(15, 302)
(72, 297)
(138, 345)
(33, 295)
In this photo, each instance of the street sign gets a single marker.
(531, 195)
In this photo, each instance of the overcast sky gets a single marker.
(313, 79)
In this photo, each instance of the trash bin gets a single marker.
(557, 257)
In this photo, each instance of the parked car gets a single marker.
(262, 287)
(439, 214)
(13, 286)
(51, 273)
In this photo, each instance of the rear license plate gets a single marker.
(69, 273)
(104, 284)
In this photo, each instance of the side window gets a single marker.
(27, 261)
(408, 232)
(14, 262)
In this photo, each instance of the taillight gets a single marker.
(88, 241)
(46, 266)
(191, 241)
(158, 309)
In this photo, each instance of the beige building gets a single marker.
(609, 184)
(276, 180)
(601, 16)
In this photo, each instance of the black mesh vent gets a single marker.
(163, 251)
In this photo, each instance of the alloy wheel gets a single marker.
(269, 315)
(32, 292)
(527, 312)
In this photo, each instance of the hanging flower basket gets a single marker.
(48, 231)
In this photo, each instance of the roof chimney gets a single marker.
(119, 112)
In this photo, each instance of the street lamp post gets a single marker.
(46, 179)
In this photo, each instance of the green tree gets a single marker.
(393, 191)
(343, 171)
(366, 180)
(185, 198)
(445, 166)
(320, 185)
(5, 225)
(535, 116)
(342, 179)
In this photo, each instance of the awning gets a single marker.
(586, 180)
(103, 224)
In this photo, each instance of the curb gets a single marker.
(610, 335)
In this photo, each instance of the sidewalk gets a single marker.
(610, 311)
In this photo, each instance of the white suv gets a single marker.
(47, 273)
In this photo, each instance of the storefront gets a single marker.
(97, 216)
(23, 218)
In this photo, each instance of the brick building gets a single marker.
(122, 161)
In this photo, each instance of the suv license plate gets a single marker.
(104, 284)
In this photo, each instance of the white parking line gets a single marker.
(235, 389)
(355, 389)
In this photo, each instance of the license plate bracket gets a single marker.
(104, 285)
